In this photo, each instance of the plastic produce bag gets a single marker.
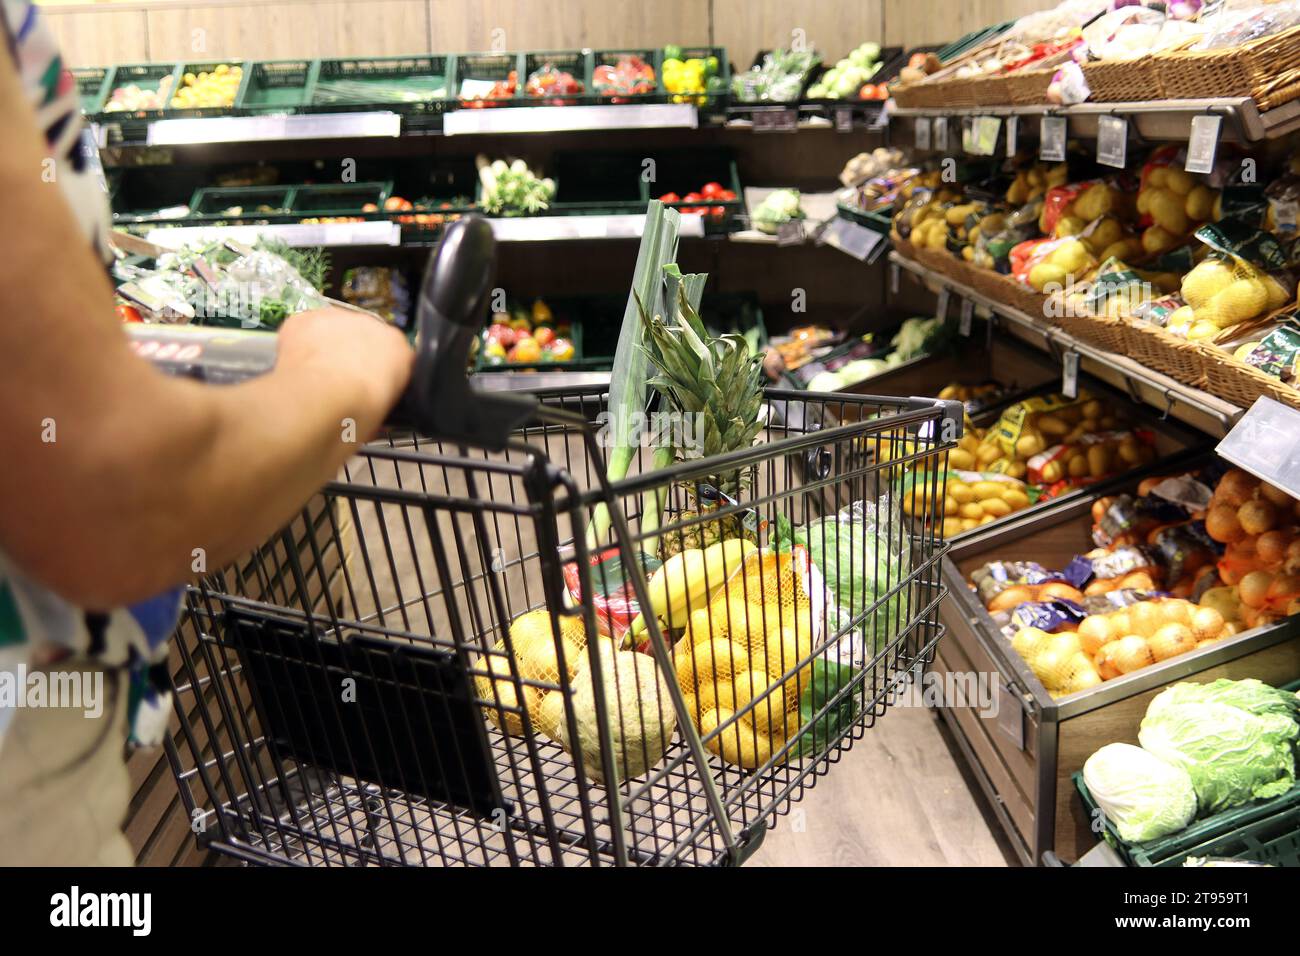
(1144, 797)
(862, 554)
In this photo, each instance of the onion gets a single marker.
(1222, 524)
(1105, 661)
(1138, 580)
(1028, 640)
(1257, 516)
(1254, 588)
(1170, 641)
(1283, 590)
(1272, 547)
(1207, 623)
(1176, 612)
(1059, 589)
(1120, 624)
(1276, 496)
(1011, 598)
(1236, 487)
(1094, 632)
(1131, 653)
(1146, 618)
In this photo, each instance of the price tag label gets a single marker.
(790, 233)
(1266, 443)
(1052, 133)
(1070, 375)
(1203, 143)
(853, 239)
(921, 127)
(968, 134)
(782, 120)
(941, 306)
(894, 273)
(1013, 134)
(967, 317)
(844, 120)
(1112, 141)
(987, 130)
(940, 134)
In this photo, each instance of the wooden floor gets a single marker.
(901, 797)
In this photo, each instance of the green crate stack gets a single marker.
(339, 199)
(92, 87)
(210, 202)
(277, 85)
(147, 76)
(203, 66)
(577, 63)
(487, 68)
(652, 58)
(416, 83)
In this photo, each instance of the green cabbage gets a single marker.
(1144, 797)
(1235, 739)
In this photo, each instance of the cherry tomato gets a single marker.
(126, 313)
(692, 197)
(670, 198)
(726, 195)
(711, 190)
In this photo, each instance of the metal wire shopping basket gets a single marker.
(433, 664)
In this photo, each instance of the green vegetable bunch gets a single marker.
(513, 189)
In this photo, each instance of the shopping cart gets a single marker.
(435, 662)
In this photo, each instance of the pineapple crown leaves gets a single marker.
(714, 376)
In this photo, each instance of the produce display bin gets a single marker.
(147, 76)
(1023, 745)
(203, 66)
(411, 83)
(92, 87)
(212, 201)
(891, 58)
(686, 171)
(880, 220)
(597, 183)
(486, 68)
(577, 363)
(706, 101)
(339, 199)
(577, 63)
(654, 58)
(277, 85)
(1206, 837)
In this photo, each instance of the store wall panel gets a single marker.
(290, 29)
(526, 24)
(914, 22)
(100, 38)
(746, 26)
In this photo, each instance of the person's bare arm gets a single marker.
(144, 468)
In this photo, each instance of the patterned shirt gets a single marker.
(37, 627)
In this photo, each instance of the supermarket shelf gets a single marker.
(245, 129)
(374, 233)
(1189, 405)
(564, 119)
(1153, 119)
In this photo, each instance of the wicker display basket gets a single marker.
(1123, 81)
(1172, 355)
(1101, 331)
(1252, 69)
(1029, 87)
(903, 246)
(1240, 384)
(991, 90)
(1009, 291)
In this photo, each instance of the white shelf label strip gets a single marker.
(251, 129)
(554, 119)
(295, 234)
(550, 228)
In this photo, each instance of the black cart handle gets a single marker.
(450, 312)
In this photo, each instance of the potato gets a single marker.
(1029, 444)
(701, 667)
(969, 524)
(1047, 274)
(961, 492)
(995, 507)
(961, 459)
(988, 489)
(1167, 209)
(950, 505)
(1200, 203)
(1052, 425)
(1053, 472)
(1077, 466)
(1016, 498)
(1156, 240)
(1099, 461)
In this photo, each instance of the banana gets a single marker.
(687, 580)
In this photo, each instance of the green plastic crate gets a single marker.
(339, 199)
(652, 57)
(147, 76)
(479, 68)
(592, 182)
(712, 99)
(879, 220)
(575, 62)
(205, 66)
(417, 83)
(1211, 836)
(686, 171)
(577, 363)
(277, 84)
(92, 87)
(212, 201)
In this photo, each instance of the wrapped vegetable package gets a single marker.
(1144, 797)
(1236, 739)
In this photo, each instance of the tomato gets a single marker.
(726, 196)
(670, 198)
(711, 190)
(717, 212)
(692, 197)
(396, 204)
(126, 313)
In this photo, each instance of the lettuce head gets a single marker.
(1235, 739)
(1144, 797)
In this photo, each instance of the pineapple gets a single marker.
(720, 380)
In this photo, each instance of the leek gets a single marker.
(629, 379)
